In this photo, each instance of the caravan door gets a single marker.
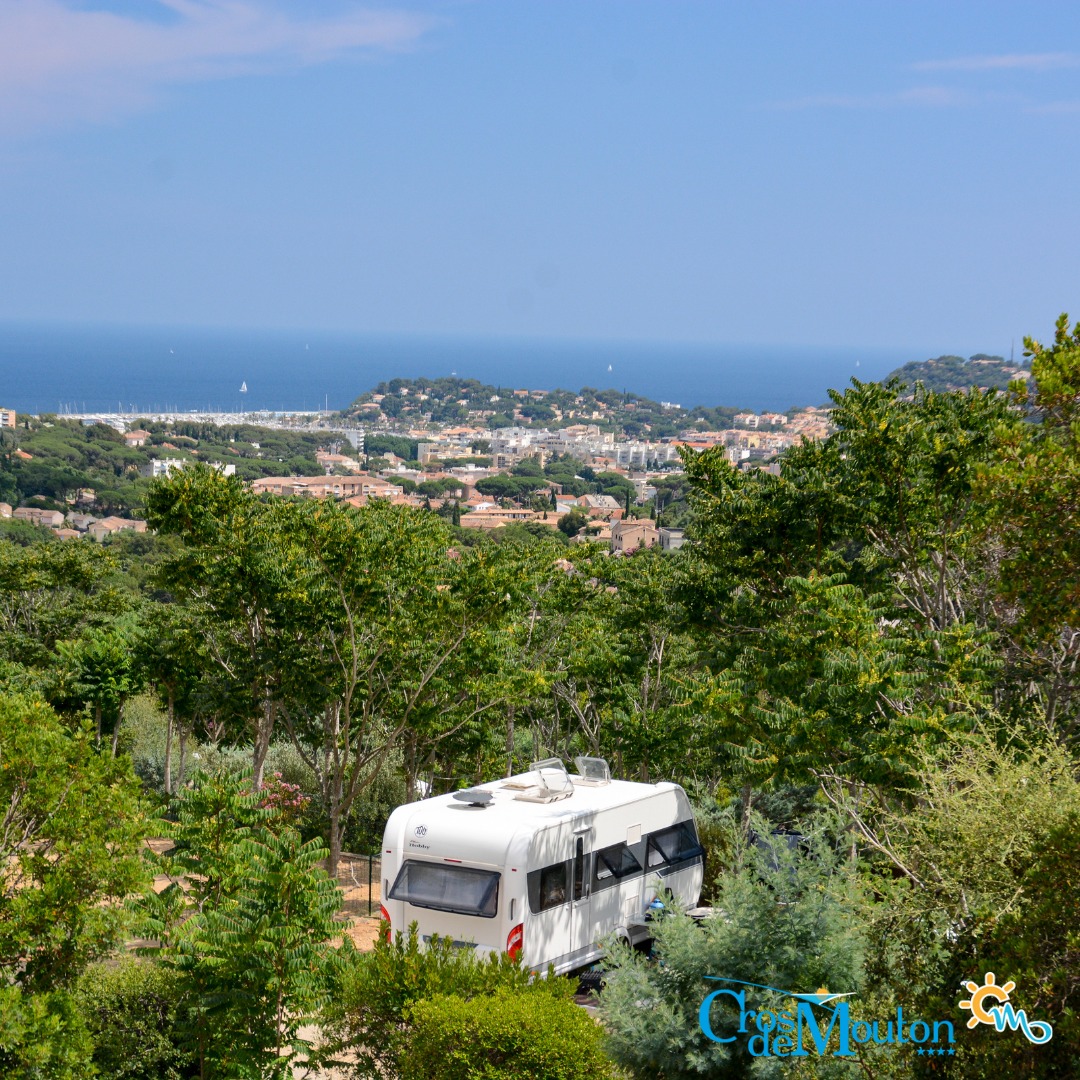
(582, 930)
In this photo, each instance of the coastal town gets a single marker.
(597, 466)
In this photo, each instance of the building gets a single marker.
(5, 510)
(326, 487)
(50, 519)
(107, 526)
(671, 539)
(627, 536)
(163, 466)
(7, 417)
(138, 437)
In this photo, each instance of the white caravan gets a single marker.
(542, 865)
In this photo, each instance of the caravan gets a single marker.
(543, 865)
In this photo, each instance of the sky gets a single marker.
(830, 174)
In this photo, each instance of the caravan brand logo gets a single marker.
(1002, 1014)
(791, 1032)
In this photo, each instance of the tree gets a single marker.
(70, 835)
(1033, 492)
(827, 690)
(242, 574)
(248, 932)
(401, 627)
(573, 522)
(977, 873)
(102, 669)
(792, 915)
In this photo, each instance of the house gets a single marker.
(68, 534)
(495, 518)
(50, 519)
(7, 417)
(326, 487)
(597, 532)
(5, 510)
(164, 466)
(601, 506)
(107, 526)
(138, 437)
(671, 539)
(627, 536)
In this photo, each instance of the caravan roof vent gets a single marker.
(593, 771)
(551, 782)
(474, 796)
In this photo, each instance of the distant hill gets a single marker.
(467, 401)
(955, 373)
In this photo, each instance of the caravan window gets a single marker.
(614, 863)
(674, 845)
(548, 887)
(460, 889)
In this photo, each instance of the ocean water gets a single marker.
(65, 368)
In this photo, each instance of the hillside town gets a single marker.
(588, 464)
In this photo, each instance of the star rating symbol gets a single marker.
(940, 1051)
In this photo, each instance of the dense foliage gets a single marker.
(873, 649)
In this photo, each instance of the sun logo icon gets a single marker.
(979, 994)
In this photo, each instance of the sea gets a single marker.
(69, 368)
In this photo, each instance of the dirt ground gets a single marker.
(360, 928)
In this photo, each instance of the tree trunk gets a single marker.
(168, 746)
(410, 768)
(334, 840)
(263, 730)
(116, 730)
(747, 797)
(183, 755)
(510, 742)
(97, 725)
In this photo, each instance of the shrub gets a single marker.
(534, 1033)
(130, 1011)
(376, 990)
(42, 1036)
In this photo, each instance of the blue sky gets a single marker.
(811, 173)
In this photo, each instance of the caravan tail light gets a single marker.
(514, 941)
(385, 916)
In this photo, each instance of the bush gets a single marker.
(42, 1037)
(130, 1011)
(791, 917)
(535, 1033)
(376, 990)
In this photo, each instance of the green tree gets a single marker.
(573, 522)
(248, 932)
(242, 575)
(131, 1012)
(102, 669)
(70, 836)
(1033, 491)
(791, 915)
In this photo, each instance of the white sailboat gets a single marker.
(243, 387)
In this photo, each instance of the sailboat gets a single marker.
(243, 387)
